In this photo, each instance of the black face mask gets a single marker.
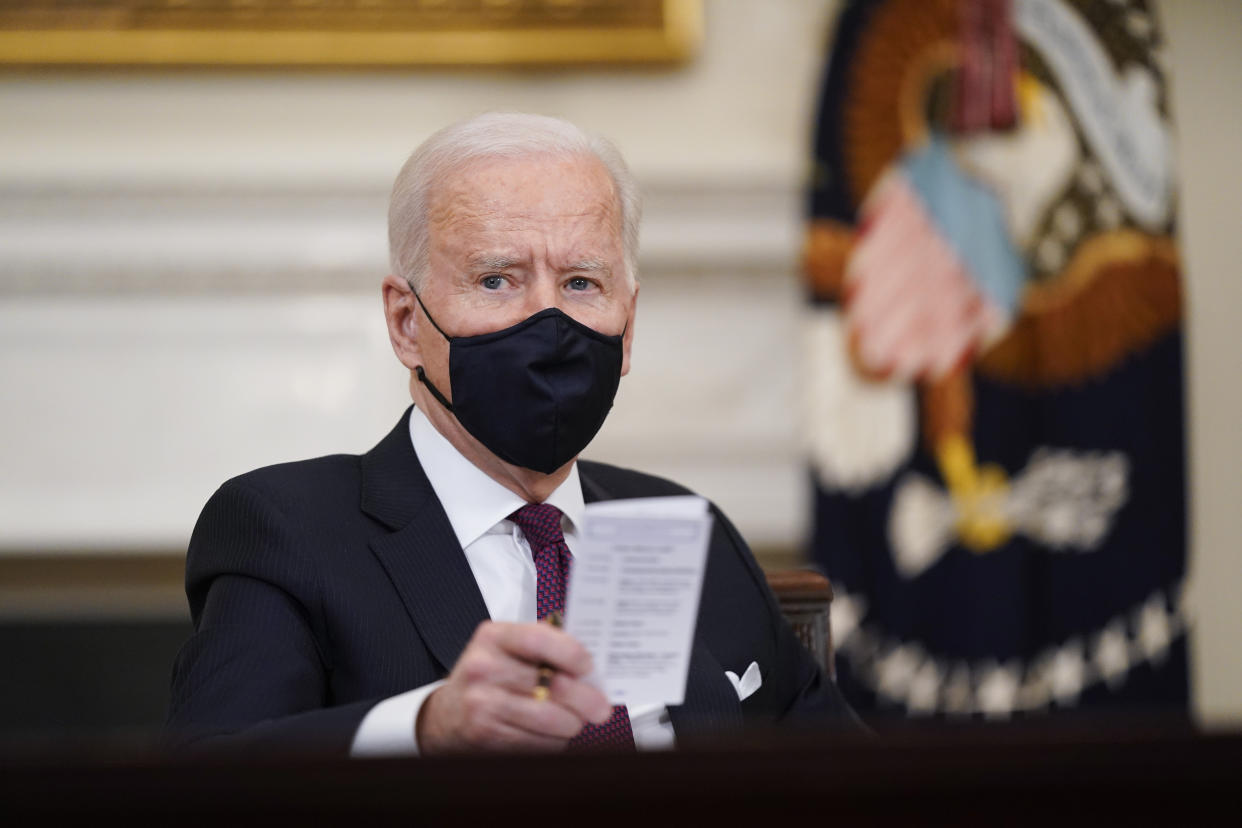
(535, 393)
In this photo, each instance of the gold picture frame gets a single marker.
(395, 33)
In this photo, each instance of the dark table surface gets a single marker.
(1054, 772)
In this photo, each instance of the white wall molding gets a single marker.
(279, 238)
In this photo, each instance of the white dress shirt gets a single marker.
(478, 509)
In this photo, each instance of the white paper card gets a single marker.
(633, 594)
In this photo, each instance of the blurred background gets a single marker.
(190, 260)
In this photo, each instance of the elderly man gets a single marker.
(387, 603)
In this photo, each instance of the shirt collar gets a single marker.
(473, 501)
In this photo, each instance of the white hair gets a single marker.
(495, 135)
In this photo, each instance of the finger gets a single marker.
(585, 701)
(496, 668)
(542, 644)
(511, 737)
(491, 665)
(540, 718)
(494, 718)
(525, 741)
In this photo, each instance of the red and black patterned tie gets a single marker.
(541, 523)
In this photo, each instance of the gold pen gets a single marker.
(543, 681)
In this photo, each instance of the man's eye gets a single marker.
(579, 283)
(493, 282)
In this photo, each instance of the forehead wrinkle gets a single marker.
(470, 211)
(465, 196)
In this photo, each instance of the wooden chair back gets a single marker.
(805, 598)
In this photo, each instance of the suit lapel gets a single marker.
(421, 556)
(711, 705)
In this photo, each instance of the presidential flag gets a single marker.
(993, 350)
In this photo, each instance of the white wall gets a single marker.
(146, 216)
(189, 265)
(1207, 72)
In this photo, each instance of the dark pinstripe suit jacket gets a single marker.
(321, 587)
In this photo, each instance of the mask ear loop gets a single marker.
(430, 319)
(422, 377)
(418, 369)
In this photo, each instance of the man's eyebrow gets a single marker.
(589, 265)
(493, 262)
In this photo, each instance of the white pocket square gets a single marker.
(748, 683)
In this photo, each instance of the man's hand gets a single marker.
(486, 703)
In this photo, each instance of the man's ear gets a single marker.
(628, 339)
(401, 314)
